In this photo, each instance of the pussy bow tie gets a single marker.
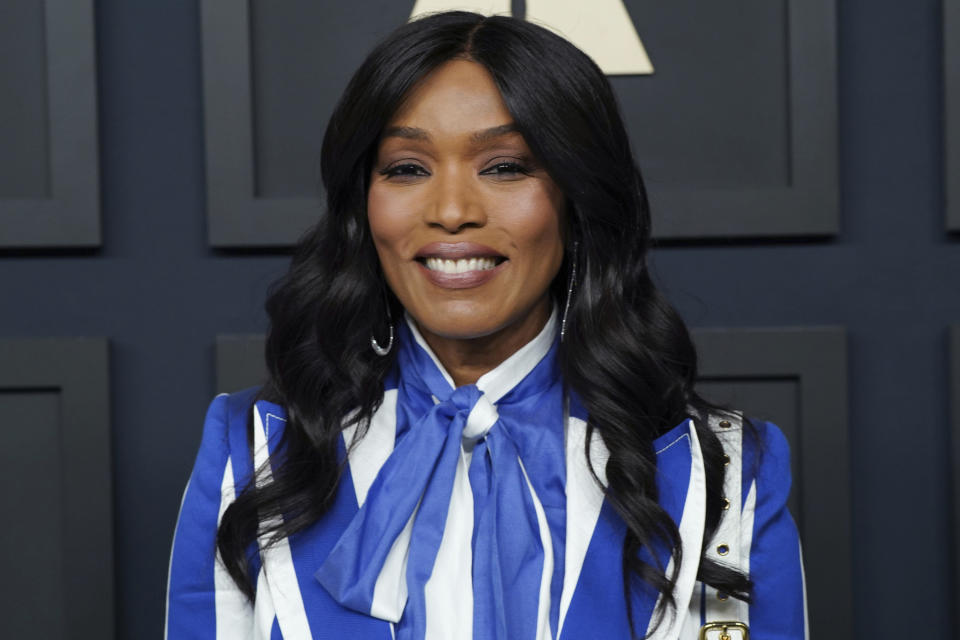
(412, 518)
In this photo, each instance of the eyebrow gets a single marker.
(477, 137)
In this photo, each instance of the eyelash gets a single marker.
(399, 170)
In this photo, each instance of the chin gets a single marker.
(458, 326)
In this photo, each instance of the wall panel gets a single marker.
(798, 378)
(49, 173)
(57, 502)
(951, 75)
(239, 362)
(953, 351)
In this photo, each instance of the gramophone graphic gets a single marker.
(601, 28)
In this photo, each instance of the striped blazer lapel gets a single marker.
(303, 608)
(592, 602)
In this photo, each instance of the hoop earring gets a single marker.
(570, 285)
(382, 351)
(377, 349)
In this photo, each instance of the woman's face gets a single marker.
(466, 223)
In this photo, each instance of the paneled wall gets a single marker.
(158, 159)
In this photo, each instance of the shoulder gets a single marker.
(753, 440)
(236, 411)
(764, 448)
(756, 451)
(767, 460)
(231, 426)
(759, 454)
(239, 404)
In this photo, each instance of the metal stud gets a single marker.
(726, 504)
(724, 424)
(726, 459)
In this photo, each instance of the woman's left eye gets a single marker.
(506, 169)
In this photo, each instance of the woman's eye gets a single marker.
(403, 171)
(506, 169)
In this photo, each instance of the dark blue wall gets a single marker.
(890, 277)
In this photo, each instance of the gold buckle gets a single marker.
(724, 627)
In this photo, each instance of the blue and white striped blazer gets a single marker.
(756, 535)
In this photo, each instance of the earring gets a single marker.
(377, 349)
(570, 285)
(382, 351)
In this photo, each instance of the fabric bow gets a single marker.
(417, 532)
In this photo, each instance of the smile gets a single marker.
(460, 266)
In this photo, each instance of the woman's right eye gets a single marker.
(404, 171)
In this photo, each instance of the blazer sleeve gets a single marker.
(202, 600)
(778, 610)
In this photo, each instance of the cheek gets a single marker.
(389, 225)
(536, 222)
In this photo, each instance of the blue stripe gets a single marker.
(542, 449)
(750, 449)
(191, 605)
(597, 607)
(777, 610)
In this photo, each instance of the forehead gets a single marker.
(455, 99)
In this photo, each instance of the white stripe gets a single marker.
(390, 590)
(691, 539)
(234, 614)
(803, 582)
(264, 613)
(279, 573)
(691, 625)
(368, 454)
(449, 591)
(746, 541)
(543, 608)
(366, 457)
(730, 532)
(584, 500)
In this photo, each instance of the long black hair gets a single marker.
(626, 351)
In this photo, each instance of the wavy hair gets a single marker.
(626, 353)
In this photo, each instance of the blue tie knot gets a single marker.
(463, 398)
(478, 413)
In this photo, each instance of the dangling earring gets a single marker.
(570, 286)
(377, 349)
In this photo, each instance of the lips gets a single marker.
(459, 265)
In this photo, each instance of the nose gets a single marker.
(456, 203)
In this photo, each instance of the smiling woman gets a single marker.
(466, 223)
(480, 419)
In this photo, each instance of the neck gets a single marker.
(466, 359)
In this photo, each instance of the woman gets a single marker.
(480, 418)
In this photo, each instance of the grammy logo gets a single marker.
(601, 28)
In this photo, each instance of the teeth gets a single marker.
(460, 266)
